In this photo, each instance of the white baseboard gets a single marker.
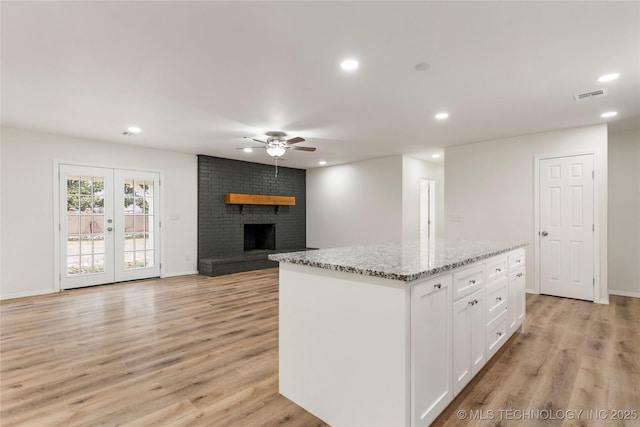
(625, 293)
(179, 273)
(28, 294)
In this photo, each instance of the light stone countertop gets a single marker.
(405, 261)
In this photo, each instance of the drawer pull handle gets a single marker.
(518, 261)
(471, 303)
(473, 282)
(519, 275)
(475, 301)
(498, 270)
(499, 334)
(498, 298)
(437, 285)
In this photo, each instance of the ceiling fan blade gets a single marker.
(295, 140)
(242, 148)
(256, 140)
(304, 148)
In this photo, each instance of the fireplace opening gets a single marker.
(259, 236)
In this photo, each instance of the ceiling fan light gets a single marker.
(275, 151)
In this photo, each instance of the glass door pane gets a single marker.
(137, 224)
(84, 196)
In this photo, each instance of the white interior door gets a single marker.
(109, 225)
(567, 227)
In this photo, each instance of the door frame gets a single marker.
(597, 235)
(57, 272)
(431, 229)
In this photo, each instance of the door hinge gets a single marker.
(593, 227)
(593, 174)
(59, 227)
(60, 277)
(594, 281)
(159, 224)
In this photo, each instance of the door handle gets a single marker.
(544, 234)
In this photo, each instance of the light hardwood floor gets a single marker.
(203, 351)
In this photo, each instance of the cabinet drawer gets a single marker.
(496, 334)
(496, 267)
(468, 280)
(425, 288)
(516, 259)
(496, 301)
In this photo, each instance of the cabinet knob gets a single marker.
(475, 301)
(519, 275)
(498, 298)
(437, 285)
(499, 334)
(518, 261)
(473, 282)
(498, 270)
(471, 303)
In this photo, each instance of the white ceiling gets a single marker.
(198, 76)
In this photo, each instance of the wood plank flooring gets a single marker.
(574, 355)
(202, 351)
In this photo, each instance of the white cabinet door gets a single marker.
(430, 349)
(468, 339)
(478, 350)
(517, 299)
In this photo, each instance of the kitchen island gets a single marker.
(387, 335)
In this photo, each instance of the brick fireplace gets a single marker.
(233, 238)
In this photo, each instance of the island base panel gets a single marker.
(344, 346)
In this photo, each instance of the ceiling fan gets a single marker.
(277, 144)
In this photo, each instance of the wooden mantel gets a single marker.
(258, 199)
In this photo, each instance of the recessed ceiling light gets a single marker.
(322, 162)
(349, 65)
(435, 156)
(248, 150)
(609, 77)
(609, 114)
(422, 66)
(132, 130)
(442, 116)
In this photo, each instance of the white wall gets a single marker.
(413, 170)
(27, 243)
(624, 213)
(355, 204)
(489, 189)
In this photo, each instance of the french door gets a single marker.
(109, 225)
(567, 227)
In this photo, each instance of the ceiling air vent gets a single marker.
(588, 95)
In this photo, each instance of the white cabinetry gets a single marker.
(468, 338)
(517, 297)
(357, 350)
(497, 292)
(430, 349)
